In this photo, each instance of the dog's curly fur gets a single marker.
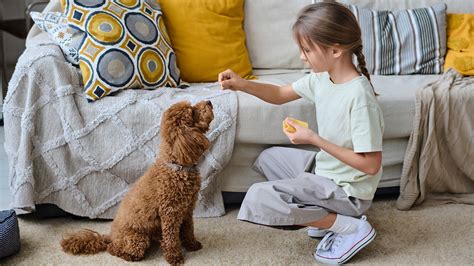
(160, 204)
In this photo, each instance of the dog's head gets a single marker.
(183, 129)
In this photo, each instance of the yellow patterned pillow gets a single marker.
(460, 42)
(208, 37)
(127, 46)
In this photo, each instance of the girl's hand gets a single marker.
(302, 135)
(229, 80)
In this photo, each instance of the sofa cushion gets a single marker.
(269, 37)
(260, 122)
(127, 46)
(454, 6)
(268, 26)
(397, 100)
(403, 42)
(208, 37)
(237, 176)
(460, 54)
(55, 24)
(37, 36)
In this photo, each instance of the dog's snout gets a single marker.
(209, 103)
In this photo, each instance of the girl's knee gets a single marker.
(258, 192)
(360, 208)
(267, 157)
(268, 153)
(257, 197)
(256, 188)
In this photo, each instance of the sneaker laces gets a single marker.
(330, 240)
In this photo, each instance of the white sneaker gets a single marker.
(315, 232)
(339, 248)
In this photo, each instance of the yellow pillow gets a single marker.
(460, 43)
(207, 37)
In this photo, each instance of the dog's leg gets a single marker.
(170, 243)
(129, 246)
(187, 234)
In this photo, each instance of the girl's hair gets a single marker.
(328, 24)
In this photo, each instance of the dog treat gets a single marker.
(291, 129)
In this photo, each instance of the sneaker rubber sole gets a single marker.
(316, 233)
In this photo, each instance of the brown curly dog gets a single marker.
(160, 204)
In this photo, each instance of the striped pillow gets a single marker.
(411, 41)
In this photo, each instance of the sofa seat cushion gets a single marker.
(239, 174)
(260, 122)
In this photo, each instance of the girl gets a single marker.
(323, 190)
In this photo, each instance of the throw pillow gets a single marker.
(127, 46)
(460, 55)
(208, 37)
(269, 37)
(55, 24)
(411, 41)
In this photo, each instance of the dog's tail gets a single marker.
(85, 242)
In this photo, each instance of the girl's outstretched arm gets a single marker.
(267, 92)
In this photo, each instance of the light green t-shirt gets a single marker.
(347, 115)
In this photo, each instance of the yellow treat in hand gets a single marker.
(291, 129)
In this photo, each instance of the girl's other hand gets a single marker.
(302, 135)
(229, 80)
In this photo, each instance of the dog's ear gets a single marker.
(203, 115)
(179, 115)
(188, 146)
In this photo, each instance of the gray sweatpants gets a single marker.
(294, 195)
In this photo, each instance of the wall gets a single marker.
(13, 9)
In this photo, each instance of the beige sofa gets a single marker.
(275, 59)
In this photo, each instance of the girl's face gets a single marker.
(317, 57)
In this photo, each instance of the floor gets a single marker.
(5, 195)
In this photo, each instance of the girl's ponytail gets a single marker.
(361, 64)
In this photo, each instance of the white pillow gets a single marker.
(270, 40)
(69, 39)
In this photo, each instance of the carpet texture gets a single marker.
(424, 235)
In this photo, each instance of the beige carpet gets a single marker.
(428, 235)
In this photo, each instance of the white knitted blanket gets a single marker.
(83, 157)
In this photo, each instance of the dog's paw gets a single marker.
(174, 259)
(118, 252)
(193, 246)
